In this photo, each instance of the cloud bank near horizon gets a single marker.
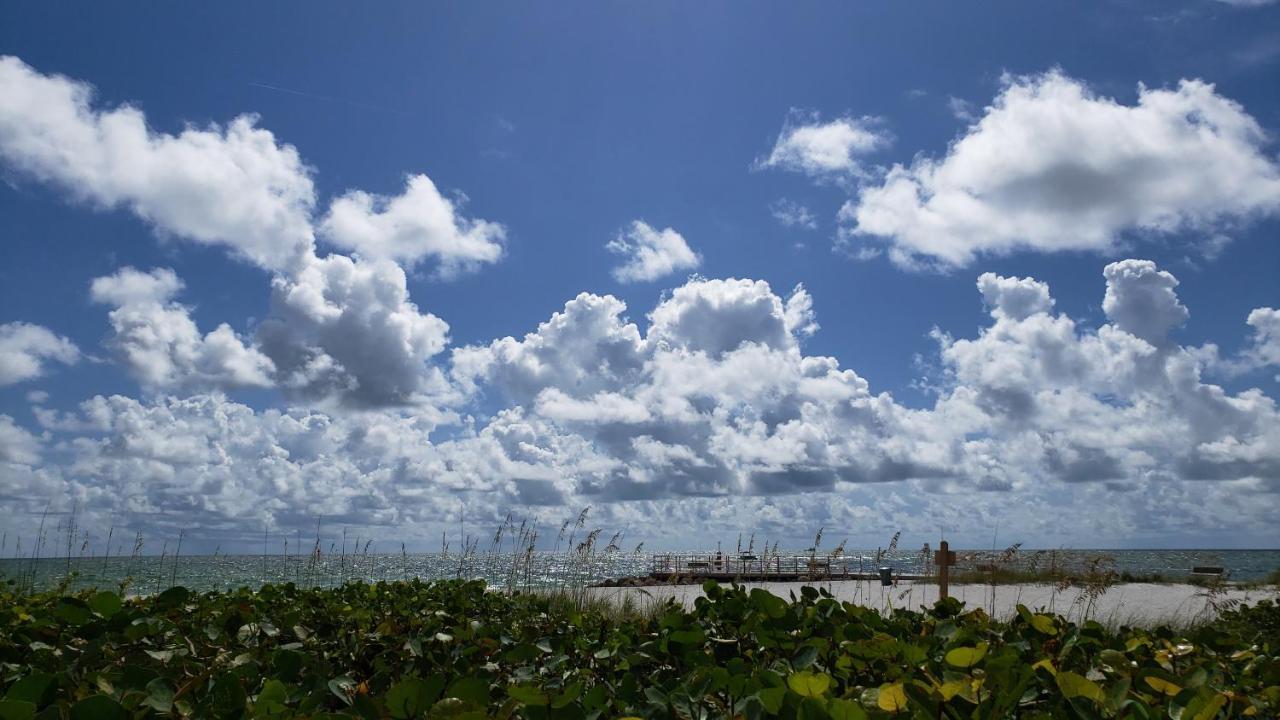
(714, 405)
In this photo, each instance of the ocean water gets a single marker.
(147, 574)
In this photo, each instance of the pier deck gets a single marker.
(747, 567)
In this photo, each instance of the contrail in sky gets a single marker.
(326, 98)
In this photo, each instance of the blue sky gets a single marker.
(549, 131)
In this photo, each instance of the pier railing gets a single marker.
(752, 566)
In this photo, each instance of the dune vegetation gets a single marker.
(454, 648)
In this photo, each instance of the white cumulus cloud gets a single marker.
(26, 349)
(417, 224)
(1052, 166)
(339, 327)
(651, 254)
(1266, 336)
(825, 149)
(18, 446)
(712, 416)
(346, 328)
(160, 345)
(233, 186)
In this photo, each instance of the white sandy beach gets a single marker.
(1129, 604)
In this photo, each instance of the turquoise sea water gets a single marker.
(544, 569)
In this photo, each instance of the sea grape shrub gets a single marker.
(1249, 625)
(453, 649)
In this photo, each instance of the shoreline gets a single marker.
(1142, 604)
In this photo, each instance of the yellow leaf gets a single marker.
(1044, 624)
(1047, 664)
(1163, 686)
(808, 684)
(966, 656)
(950, 689)
(1076, 685)
(892, 698)
(1211, 708)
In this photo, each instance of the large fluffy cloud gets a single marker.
(160, 345)
(338, 328)
(25, 349)
(420, 223)
(347, 328)
(702, 417)
(650, 254)
(233, 186)
(1122, 404)
(1052, 166)
(716, 398)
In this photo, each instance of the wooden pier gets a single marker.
(748, 567)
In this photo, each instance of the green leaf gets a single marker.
(846, 710)
(17, 710)
(596, 698)
(172, 597)
(804, 657)
(521, 653)
(1076, 685)
(98, 707)
(771, 698)
(530, 695)
(343, 687)
(473, 690)
(36, 688)
(412, 696)
(963, 657)
(273, 700)
(159, 696)
(106, 603)
(227, 698)
(1210, 708)
(1114, 661)
(287, 664)
(566, 696)
(914, 654)
(73, 611)
(809, 684)
(692, 636)
(772, 605)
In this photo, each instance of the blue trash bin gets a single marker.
(886, 576)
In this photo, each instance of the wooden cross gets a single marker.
(944, 559)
